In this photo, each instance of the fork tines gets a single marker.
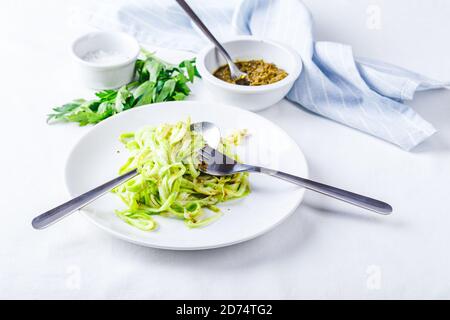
(211, 156)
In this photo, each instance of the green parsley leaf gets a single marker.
(155, 81)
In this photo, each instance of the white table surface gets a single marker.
(325, 250)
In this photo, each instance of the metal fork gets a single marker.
(215, 163)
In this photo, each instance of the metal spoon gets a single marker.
(211, 134)
(240, 77)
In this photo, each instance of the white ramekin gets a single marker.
(248, 48)
(106, 75)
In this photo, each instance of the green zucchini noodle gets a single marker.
(170, 183)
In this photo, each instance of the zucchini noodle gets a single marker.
(170, 183)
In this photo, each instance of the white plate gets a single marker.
(95, 159)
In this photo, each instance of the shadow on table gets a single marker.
(286, 242)
(360, 215)
(287, 239)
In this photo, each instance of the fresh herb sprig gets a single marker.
(155, 81)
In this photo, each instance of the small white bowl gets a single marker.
(106, 59)
(252, 98)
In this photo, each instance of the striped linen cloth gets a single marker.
(363, 94)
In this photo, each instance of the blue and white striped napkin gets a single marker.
(360, 93)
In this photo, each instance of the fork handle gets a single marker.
(343, 195)
(46, 219)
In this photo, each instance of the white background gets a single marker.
(325, 250)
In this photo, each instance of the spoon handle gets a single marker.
(203, 28)
(46, 219)
(343, 195)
